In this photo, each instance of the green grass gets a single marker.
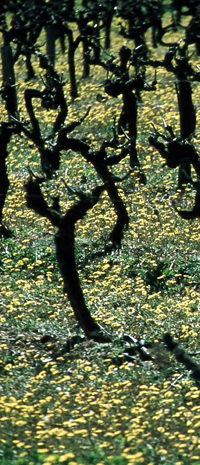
(91, 406)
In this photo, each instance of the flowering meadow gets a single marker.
(90, 404)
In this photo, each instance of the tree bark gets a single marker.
(51, 37)
(9, 80)
(65, 253)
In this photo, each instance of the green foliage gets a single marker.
(90, 405)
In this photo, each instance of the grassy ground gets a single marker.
(90, 406)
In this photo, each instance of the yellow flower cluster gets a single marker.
(62, 408)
